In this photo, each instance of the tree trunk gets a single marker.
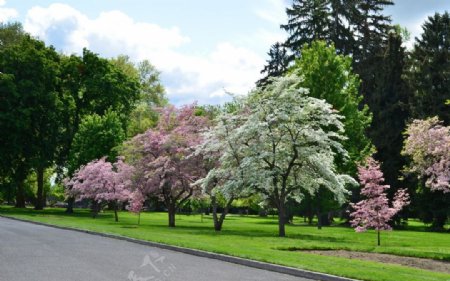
(218, 221)
(281, 219)
(378, 234)
(20, 193)
(95, 209)
(116, 217)
(40, 189)
(319, 211)
(171, 210)
(319, 220)
(310, 217)
(70, 202)
(214, 213)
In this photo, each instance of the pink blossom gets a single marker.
(428, 146)
(163, 158)
(374, 211)
(102, 181)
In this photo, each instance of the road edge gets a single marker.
(200, 253)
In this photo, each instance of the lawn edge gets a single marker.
(200, 253)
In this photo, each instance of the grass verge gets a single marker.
(256, 238)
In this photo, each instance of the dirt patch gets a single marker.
(428, 264)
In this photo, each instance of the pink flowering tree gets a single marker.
(428, 146)
(162, 157)
(374, 212)
(137, 200)
(102, 182)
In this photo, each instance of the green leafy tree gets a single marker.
(151, 94)
(93, 85)
(330, 77)
(97, 136)
(10, 34)
(152, 91)
(31, 116)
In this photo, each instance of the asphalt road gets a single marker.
(34, 252)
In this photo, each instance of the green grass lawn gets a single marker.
(256, 238)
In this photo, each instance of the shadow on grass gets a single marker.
(254, 233)
(78, 213)
(205, 228)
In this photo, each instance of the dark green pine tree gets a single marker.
(340, 32)
(430, 69)
(389, 105)
(277, 64)
(371, 28)
(308, 20)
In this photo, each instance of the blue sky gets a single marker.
(203, 48)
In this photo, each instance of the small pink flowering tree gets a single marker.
(102, 182)
(137, 200)
(374, 211)
(428, 146)
(164, 161)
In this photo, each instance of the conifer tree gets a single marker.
(307, 21)
(276, 65)
(430, 68)
(389, 105)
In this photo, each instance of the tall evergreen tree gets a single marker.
(355, 27)
(308, 20)
(430, 69)
(389, 105)
(371, 29)
(276, 65)
(340, 32)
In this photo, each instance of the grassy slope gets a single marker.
(255, 238)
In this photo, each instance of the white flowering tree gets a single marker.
(290, 142)
(223, 153)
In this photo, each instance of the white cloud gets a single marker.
(7, 14)
(114, 31)
(188, 76)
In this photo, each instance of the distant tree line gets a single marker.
(61, 111)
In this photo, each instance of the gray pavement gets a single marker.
(35, 252)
